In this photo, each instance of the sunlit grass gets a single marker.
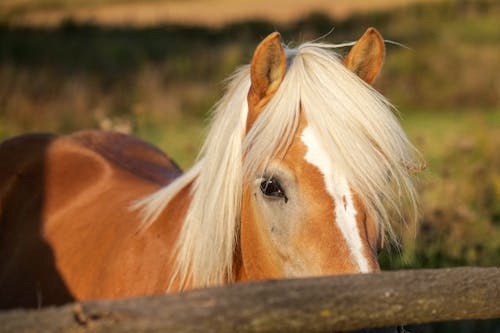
(180, 138)
(460, 190)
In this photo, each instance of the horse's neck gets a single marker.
(167, 227)
(239, 272)
(170, 220)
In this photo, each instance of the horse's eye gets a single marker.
(271, 187)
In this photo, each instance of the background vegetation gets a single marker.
(159, 82)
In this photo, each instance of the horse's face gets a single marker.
(299, 216)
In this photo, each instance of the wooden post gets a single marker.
(304, 305)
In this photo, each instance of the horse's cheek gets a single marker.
(258, 256)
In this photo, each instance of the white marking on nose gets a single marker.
(338, 188)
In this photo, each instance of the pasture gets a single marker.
(159, 82)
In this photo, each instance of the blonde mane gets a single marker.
(353, 122)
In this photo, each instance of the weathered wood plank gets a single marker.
(305, 305)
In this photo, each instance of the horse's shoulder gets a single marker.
(129, 153)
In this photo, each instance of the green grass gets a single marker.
(180, 138)
(460, 190)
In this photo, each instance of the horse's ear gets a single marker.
(367, 55)
(268, 67)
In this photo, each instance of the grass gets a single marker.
(181, 138)
(460, 190)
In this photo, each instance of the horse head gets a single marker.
(300, 215)
(303, 171)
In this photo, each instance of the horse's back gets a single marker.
(119, 150)
(131, 154)
(61, 194)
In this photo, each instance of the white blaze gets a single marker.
(338, 188)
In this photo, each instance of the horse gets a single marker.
(303, 171)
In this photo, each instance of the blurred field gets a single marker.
(158, 82)
(192, 12)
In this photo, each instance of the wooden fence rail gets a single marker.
(305, 305)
